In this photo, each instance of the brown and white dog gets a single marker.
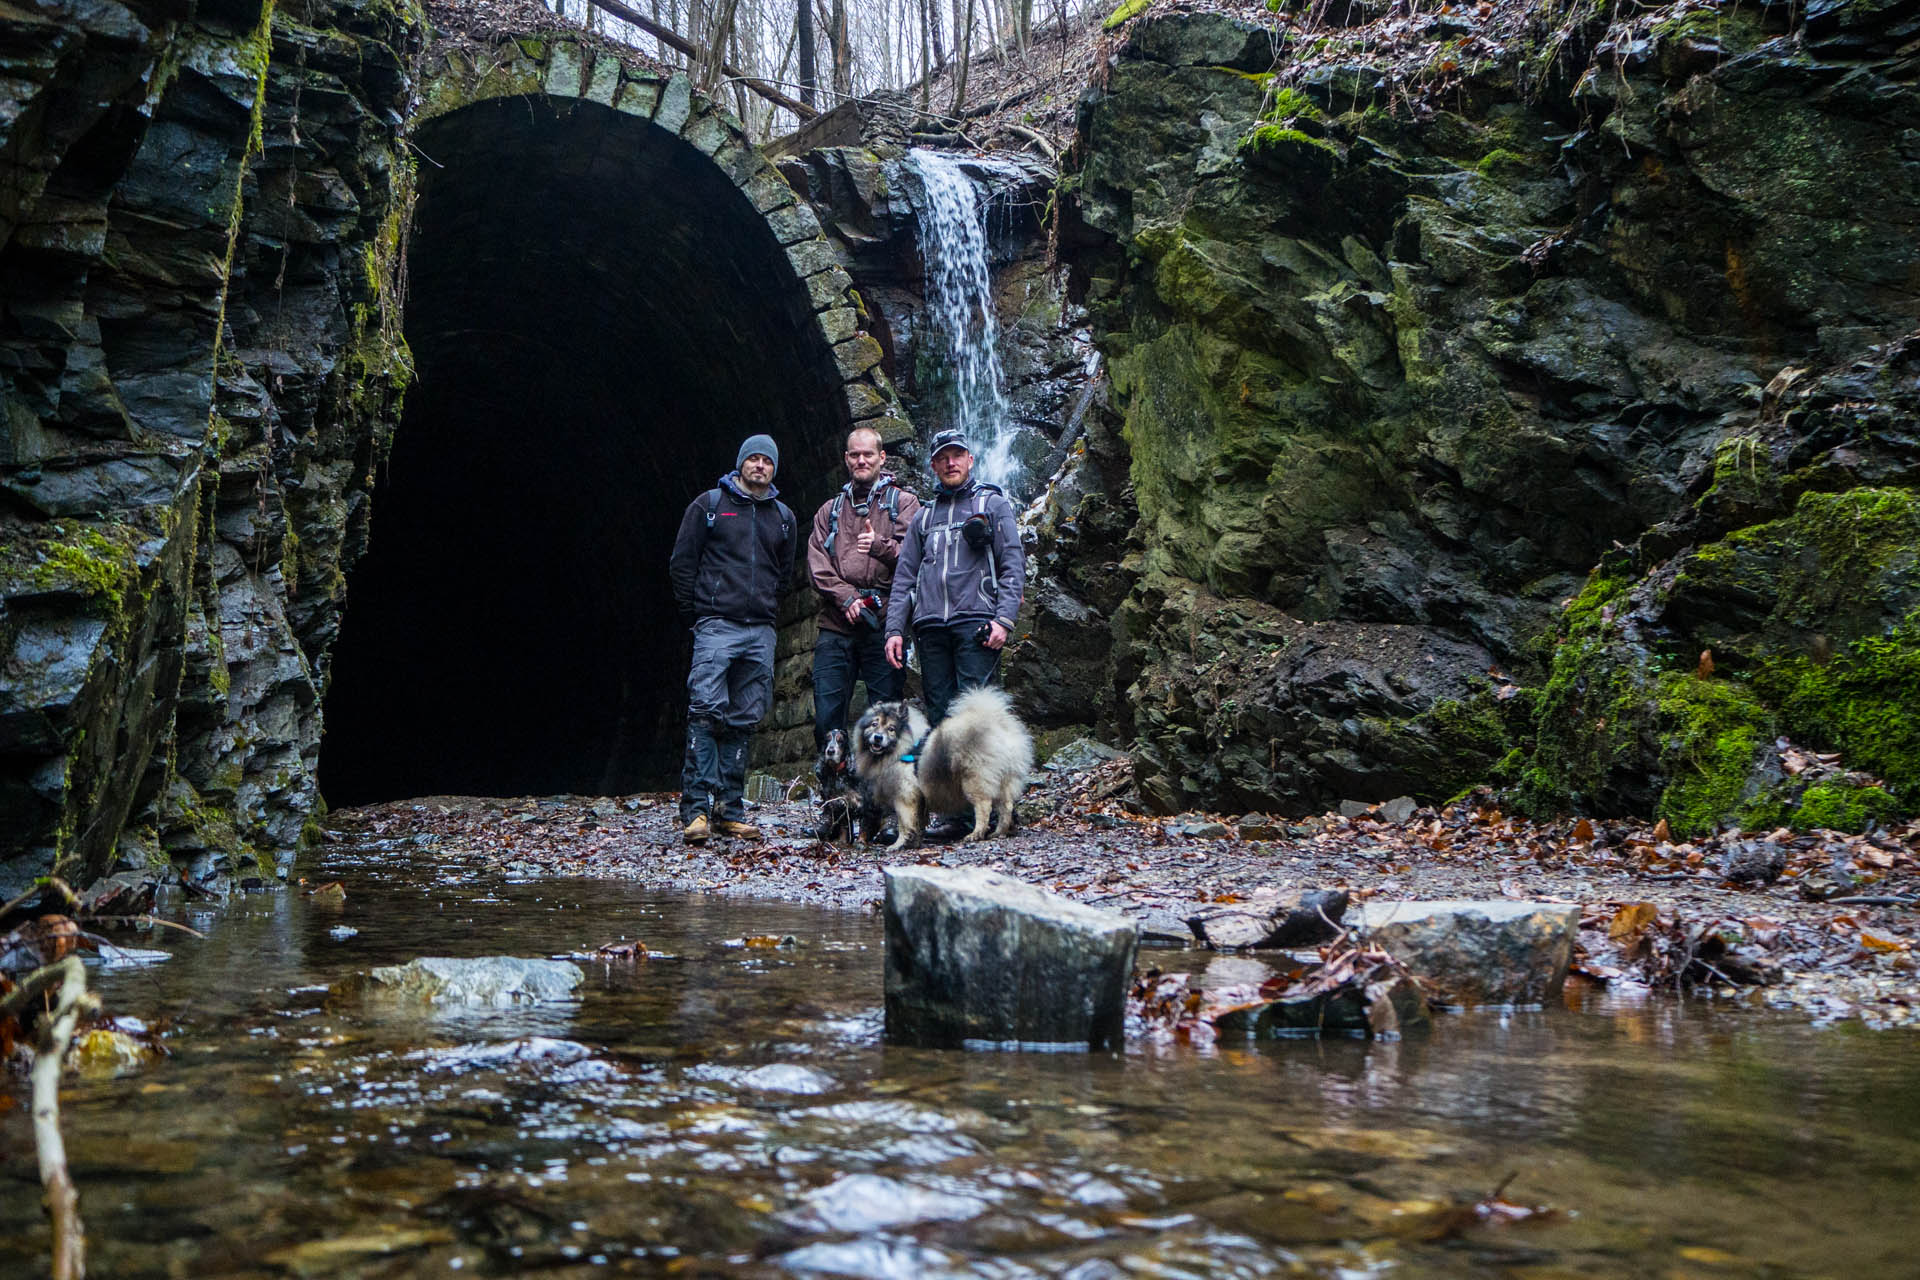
(979, 755)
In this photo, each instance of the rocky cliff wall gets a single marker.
(1478, 370)
(201, 221)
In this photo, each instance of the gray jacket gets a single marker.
(946, 581)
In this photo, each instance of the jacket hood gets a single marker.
(731, 482)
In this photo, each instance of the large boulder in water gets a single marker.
(976, 956)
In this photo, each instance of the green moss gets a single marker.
(1501, 160)
(1712, 731)
(1273, 139)
(1128, 9)
(1291, 104)
(1838, 805)
(1864, 702)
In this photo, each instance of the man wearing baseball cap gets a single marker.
(732, 561)
(963, 568)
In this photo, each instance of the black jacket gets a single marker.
(734, 555)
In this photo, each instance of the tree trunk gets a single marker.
(962, 48)
(803, 29)
(842, 49)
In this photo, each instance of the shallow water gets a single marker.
(729, 1110)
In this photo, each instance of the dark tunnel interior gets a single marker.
(597, 318)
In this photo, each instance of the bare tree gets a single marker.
(803, 34)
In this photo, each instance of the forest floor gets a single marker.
(1823, 923)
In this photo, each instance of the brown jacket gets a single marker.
(846, 572)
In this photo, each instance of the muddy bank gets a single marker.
(1848, 956)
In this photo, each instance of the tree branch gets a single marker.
(674, 40)
(49, 1059)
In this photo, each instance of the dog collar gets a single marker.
(913, 756)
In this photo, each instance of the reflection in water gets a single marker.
(729, 1111)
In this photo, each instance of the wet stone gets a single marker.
(976, 957)
(1477, 953)
(488, 980)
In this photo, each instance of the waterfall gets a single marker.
(953, 245)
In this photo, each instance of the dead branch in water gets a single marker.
(53, 1033)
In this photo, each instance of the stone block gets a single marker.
(676, 103)
(566, 69)
(810, 257)
(768, 190)
(1474, 953)
(603, 83)
(639, 97)
(705, 132)
(892, 427)
(857, 355)
(864, 402)
(738, 160)
(828, 288)
(837, 324)
(793, 224)
(976, 957)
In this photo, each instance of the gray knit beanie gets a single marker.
(758, 444)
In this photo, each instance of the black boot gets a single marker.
(699, 775)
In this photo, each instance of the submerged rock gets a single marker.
(1478, 952)
(978, 956)
(1298, 919)
(494, 980)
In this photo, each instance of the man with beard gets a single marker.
(851, 556)
(964, 570)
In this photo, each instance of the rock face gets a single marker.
(201, 224)
(1392, 390)
(1477, 952)
(978, 956)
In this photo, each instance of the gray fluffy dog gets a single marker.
(979, 756)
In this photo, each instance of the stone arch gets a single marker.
(608, 289)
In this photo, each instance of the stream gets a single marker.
(729, 1109)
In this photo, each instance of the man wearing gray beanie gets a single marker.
(732, 561)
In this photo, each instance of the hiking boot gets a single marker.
(696, 831)
(737, 830)
(945, 827)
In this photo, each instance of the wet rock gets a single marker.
(1200, 829)
(487, 980)
(1081, 754)
(1391, 1006)
(1476, 953)
(974, 955)
(1299, 919)
(1753, 862)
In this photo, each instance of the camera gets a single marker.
(873, 613)
(978, 531)
(984, 634)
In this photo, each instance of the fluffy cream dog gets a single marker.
(979, 755)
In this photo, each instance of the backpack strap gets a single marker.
(710, 503)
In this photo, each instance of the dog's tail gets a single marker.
(986, 698)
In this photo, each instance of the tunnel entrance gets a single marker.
(598, 316)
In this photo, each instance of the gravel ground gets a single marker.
(1655, 911)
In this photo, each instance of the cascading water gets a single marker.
(953, 245)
